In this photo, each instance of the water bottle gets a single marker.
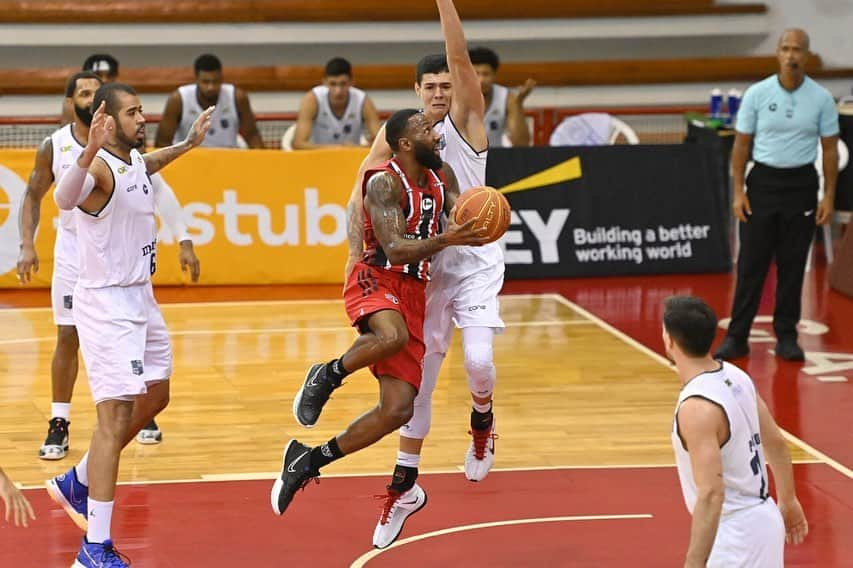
(733, 104)
(716, 110)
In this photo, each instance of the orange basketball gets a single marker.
(488, 206)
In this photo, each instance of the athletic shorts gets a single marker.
(123, 338)
(62, 298)
(370, 289)
(470, 301)
(751, 537)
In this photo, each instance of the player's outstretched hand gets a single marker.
(200, 127)
(465, 234)
(102, 128)
(14, 501)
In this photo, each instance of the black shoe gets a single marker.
(313, 395)
(296, 472)
(731, 348)
(56, 444)
(788, 350)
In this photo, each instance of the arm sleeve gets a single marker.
(169, 208)
(747, 115)
(73, 188)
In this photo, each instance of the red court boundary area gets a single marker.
(219, 524)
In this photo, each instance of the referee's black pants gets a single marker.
(782, 225)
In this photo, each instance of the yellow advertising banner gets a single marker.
(255, 216)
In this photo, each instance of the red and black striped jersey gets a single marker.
(422, 207)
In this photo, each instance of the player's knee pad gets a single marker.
(480, 366)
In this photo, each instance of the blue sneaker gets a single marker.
(71, 495)
(99, 555)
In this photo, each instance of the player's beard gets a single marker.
(130, 141)
(426, 156)
(84, 114)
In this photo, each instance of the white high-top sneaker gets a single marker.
(481, 453)
(397, 508)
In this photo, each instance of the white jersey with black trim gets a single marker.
(66, 150)
(117, 244)
(744, 468)
(470, 168)
(495, 118)
(329, 128)
(224, 123)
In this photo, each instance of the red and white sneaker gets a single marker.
(481, 453)
(395, 510)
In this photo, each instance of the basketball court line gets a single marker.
(270, 475)
(368, 556)
(255, 331)
(805, 446)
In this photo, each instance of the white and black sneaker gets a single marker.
(296, 472)
(150, 434)
(395, 510)
(55, 445)
(313, 395)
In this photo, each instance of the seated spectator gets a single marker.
(335, 113)
(233, 114)
(504, 108)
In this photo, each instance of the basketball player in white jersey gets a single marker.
(123, 337)
(504, 108)
(335, 113)
(721, 434)
(53, 158)
(233, 115)
(465, 283)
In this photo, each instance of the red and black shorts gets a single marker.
(370, 289)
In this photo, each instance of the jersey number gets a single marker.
(153, 263)
(755, 464)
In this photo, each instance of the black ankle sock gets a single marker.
(325, 454)
(481, 420)
(403, 478)
(335, 370)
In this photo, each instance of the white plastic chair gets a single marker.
(843, 160)
(287, 138)
(591, 129)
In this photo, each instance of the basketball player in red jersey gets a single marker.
(384, 297)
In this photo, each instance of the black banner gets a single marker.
(612, 210)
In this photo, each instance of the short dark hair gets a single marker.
(71, 85)
(484, 56)
(109, 92)
(101, 63)
(691, 323)
(436, 63)
(397, 127)
(207, 62)
(338, 66)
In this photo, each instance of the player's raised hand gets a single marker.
(525, 90)
(200, 127)
(102, 128)
(466, 233)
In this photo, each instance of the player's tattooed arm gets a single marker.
(451, 188)
(39, 183)
(383, 205)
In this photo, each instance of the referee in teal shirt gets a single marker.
(783, 117)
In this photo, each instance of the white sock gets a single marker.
(60, 410)
(100, 518)
(82, 470)
(408, 460)
(483, 408)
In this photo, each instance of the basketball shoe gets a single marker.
(481, 452)
(397, 508)
(71, 495)
(296, 472)
(99, 555)
(313, 395)
(150, 434)
(56, 444)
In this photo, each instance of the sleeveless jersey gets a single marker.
(328, 128)
(744, 468)
(495, 118)
(66, 150)
(470, 169)
(224, 124)
(117, 244)
(422, 207)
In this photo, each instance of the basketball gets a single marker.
(488, 206)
